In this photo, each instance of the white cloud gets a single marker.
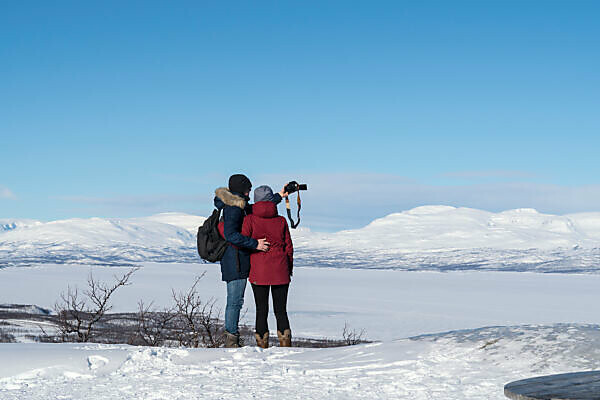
(139, 205)
(489, 174)
(135, 202)
(6, 193)
(351, 200)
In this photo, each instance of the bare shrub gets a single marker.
(198, 321)
(213, 330)
(78, 313)
(351, 336)
(6, 337)
(154, 327)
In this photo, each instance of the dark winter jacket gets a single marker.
(274, 266)
(235, 263)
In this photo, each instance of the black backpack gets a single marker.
(211, 246)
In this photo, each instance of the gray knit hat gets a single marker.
(263, 193)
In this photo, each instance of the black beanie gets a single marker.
(239, 183)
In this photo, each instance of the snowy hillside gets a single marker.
(443, 227)
(163, 237)
(429, 237)
(448, 238)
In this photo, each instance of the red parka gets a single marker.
(274, 266)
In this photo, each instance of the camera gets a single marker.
(294, 186)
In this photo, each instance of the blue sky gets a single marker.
(130, 108)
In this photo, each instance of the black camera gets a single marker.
(294, 186)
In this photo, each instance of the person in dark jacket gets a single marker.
(235, 264)
(270, 270)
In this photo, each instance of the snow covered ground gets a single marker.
(437, 238)
(466, 362)
(459, 365)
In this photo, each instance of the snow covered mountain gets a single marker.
(428, 237)
(168, 237)
(449, 238)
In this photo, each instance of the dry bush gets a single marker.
(6, 337)
(78, 313)
(154, 327)
(352, 336)
(198, 321)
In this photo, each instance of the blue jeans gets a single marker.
(235, 301)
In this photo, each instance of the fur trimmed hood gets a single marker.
(229, 198)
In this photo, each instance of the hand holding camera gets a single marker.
(288, 189)
(292, 187)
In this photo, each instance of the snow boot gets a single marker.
(263, 341)
(285, 338)
(231, 340)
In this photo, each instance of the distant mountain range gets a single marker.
(424, 238)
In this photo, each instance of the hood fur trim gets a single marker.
(229, 198)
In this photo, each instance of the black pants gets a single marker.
(261, 298)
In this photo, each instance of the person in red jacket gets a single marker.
(270, 270)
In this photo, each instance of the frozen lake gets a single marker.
(387, 304)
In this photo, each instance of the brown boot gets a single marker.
(262, 342)
(232, 340)
(285, 338)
